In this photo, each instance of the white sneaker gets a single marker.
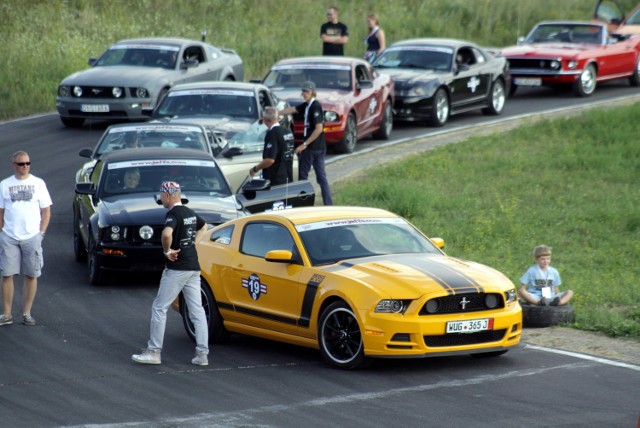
(147, 357)
(200, 359)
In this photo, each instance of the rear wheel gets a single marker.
(340, 337)
(586, 83)
(440, 108)
(497, 98)
(348, 142)
(72, 122)
(217, 332)
(386, 125)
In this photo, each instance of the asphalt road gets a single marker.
(74, 369)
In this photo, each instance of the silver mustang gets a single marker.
(133, 75)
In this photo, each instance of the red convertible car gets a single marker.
(357, 100)
(573, 53)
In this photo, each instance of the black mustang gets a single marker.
(436, 78)
(118, 217)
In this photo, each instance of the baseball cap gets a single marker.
(170, 187)
(308, 86)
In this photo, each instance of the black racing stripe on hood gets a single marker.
(452, 280)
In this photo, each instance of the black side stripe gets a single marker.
(307, 302)
(265, 315)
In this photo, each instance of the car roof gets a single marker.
(313, 214)
(219, 85)
(340, 60)
(590, 23)
(160, 41)
(151, 153)
(453, 43)
(144, 126)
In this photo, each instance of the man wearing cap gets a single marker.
(313, 150)
(182, 228)
(277, 155)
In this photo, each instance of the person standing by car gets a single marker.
(182, 228)
(313, 150)
(334, 34)
(375, 40)
(24, 217)
(277, 155)
(540, 282)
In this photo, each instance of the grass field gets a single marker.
(45, 40)
(568, 183)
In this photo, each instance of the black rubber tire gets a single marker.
(386, 125)
(348, 142)
(340, 337)
(79, 249)
(217, 332)
(634, 80)
(497, 98)
(96, 275)
(72, 122)
(586, 83)
(546, 316)
(441, 108)
(513, 89)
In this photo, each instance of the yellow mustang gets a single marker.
(353, 282)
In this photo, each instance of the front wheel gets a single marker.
(440, 108)
(497, 99)
(340, 337)
(386, 124)
(348, 142)
(79, 249)
(634, 80)
(96, 275)
(217, 332)
(586, 83)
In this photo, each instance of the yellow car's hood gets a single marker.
(409, 276)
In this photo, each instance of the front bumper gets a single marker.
(130, 258)
(412, 108)
(410, 336)
(103, 109)
(333, 132)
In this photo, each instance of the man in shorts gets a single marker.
(24, 216)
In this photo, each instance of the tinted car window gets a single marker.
(260, 238)
(208, 102)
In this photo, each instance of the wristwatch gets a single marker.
(166, 253)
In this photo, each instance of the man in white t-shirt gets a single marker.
(24, 216)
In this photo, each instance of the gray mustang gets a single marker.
(133, 75)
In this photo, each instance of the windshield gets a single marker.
(329, 242)
(193, 176)
(324, 76)
(422, 57)
(139, 136)
(249, 140)
(567, 33)
(140, 55)
(208, 102)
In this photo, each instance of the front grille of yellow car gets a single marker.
(464, 339)
(463, 303)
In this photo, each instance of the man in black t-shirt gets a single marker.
(313, 150)
(277, 155)
(182, 274)
(334, 34)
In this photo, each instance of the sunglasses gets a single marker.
(23, 163)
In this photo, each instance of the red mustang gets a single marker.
(576, 53)
(356, 99)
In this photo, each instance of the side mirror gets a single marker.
(92, 61)
(85, 153)
(189, 63)
(279, 256)
(85, 189)
(520, 40)
(438, 242)
(233, 151)
(364, 84)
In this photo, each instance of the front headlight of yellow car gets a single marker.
(391, 306)
(511, 295)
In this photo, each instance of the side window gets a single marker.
(223, 236)
(194, 52)
(480, 58)
(362, 73)
(95, 174)
(263, 98)
(259, 238)
(465, 56)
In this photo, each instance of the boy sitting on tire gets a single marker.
(540, 283)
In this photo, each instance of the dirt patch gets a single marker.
(584, 342)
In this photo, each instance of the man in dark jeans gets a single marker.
(277, 155)
(314, 148)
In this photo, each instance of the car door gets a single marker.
(472, 78)
(365, 101)
(264, 294)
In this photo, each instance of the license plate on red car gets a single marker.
(527, 81)
(95, 108)
(470, 326)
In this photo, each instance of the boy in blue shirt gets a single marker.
(540, 282)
